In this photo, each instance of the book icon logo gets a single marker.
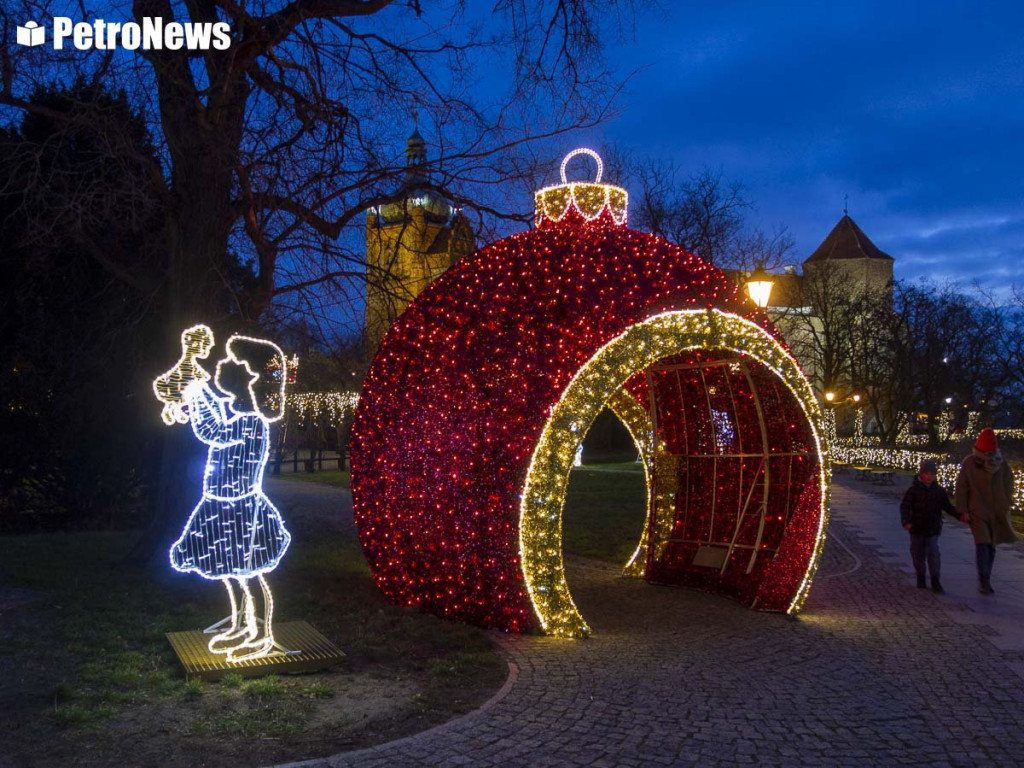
(31, 34)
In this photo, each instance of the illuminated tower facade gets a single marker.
(409, 243)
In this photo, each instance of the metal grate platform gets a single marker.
(314, 652)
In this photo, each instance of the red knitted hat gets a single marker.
(986, 440)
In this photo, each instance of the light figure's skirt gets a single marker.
(237, 537)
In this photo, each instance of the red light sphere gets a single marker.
(464, 382)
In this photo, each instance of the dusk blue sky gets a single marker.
(914, 110)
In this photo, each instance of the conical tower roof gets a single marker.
(847, 241)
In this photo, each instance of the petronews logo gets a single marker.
(151, 34)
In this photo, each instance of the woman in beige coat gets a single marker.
(984, 495)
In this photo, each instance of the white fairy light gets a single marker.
(234, 533)
(335, 406)
(577, 153)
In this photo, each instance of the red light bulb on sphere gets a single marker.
(471, 413)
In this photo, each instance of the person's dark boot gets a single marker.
(937, 586)
(985, 587)
(920, 581)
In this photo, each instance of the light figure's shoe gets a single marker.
(253, 650)
(228, 641)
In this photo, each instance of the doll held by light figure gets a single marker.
(169, 388)
(235, 534)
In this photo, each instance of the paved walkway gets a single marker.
(874, 672)
(1002, 612)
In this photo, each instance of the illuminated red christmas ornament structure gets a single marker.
(474, 406)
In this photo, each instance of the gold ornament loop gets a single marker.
(589, 199)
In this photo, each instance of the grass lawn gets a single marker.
(604, 511)
(90, 680)
(333, 477)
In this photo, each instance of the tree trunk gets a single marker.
(204, 150)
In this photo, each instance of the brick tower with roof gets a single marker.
(409, 243)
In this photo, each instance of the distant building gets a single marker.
(850, 256)
(409, 243)
(846, 266)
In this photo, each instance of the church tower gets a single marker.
(408, 243)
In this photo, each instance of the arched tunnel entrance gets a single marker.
(733, 459)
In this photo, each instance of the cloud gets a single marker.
(917, 116)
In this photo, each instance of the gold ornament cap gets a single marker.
(588, 199)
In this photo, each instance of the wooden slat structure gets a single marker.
(309, 651)
(731, 464)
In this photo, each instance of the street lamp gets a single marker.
(832, 399)
(759, 287)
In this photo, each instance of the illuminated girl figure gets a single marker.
(235, 534)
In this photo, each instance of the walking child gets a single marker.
(921, 514)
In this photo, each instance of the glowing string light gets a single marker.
(972, 422)
(452, 413)
(234, 533)
(333, 407)
(169, 388)
(594, 384)
(577, 153)
(588, 199)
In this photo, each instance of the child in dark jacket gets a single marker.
(921, 513)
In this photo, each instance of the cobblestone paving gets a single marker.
(872, 673)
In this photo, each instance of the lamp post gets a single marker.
(759, 287)
(833, 399)
(834, 403)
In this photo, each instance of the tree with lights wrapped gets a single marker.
(473, 409)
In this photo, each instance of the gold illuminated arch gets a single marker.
(593, 386)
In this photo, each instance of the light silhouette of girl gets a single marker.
(235, 534)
